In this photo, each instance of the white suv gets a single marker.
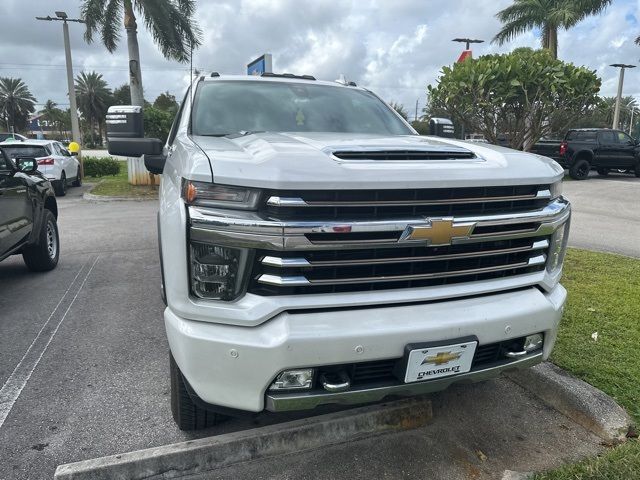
(316, 250)
(55, 162)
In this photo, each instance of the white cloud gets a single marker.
(397, 48)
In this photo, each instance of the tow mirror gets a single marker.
(26, 164)
(441, 127)
(125, 136)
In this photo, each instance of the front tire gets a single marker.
(580, 169)
(636, 170)
(60, 186)
(43, 256)
(186, 413)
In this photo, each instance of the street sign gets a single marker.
(260, 65)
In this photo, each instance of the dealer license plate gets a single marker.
(441, 361)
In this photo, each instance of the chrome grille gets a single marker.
(358, 204)
(330, 271)
(315, 242)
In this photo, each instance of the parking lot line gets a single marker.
(22, 372)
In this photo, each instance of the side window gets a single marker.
(55, 148)
(63, 151)
(607, 138)
(4, 163)
(624, 138)
(176, 121)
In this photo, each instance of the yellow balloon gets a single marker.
(74, 147)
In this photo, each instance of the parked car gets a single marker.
(28, 214)
(11, 136)
(315, 249)
(54, 161)
(601, 149)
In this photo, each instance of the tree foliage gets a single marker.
(157, 123)
(548, 16)
(398, 107)
(518, 95)
(16, 103)
(122, 95)
(57, 118)
(94, 98)
(170, 23)
(167, 102)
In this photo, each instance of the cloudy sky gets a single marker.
(395, 47)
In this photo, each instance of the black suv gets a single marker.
(28, 213)
(600, 148)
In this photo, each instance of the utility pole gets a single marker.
(416, 117)
(616, 113)
(62, 17)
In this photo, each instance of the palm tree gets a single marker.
(170, 22)
(547, 15)
(16, 101)
(93, 98)
(50, 111)
(398, 107)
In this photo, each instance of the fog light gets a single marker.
(533, 342)
(293, 379)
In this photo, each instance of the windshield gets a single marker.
(14, 151)
(222, 108)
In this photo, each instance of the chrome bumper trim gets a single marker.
(248, 229)
(301, 281)
(277, 201)
(305, 401)
(298, 262)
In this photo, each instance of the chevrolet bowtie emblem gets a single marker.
(441, 358)
(439, 231)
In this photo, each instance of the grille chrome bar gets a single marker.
(299, 280)
(298, 262)
(277, 201)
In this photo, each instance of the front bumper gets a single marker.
(232, 366)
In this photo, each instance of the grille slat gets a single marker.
(329, 205)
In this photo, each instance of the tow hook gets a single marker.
(338, 382)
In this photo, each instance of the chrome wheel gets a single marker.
(52, 240)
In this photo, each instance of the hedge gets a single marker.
(100, 167)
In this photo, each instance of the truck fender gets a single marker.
(586, 154)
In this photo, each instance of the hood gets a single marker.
(306, 161)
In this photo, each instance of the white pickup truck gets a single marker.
(315, 250)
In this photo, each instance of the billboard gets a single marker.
(260, 65)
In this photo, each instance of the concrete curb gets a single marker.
(205, 454)
(90, 197)
(103, 198)
(581, 402)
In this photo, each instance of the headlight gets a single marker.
(557, 248)
(218, 272)
(556, 189)
(213, 195)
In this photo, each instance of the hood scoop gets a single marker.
(430, 154)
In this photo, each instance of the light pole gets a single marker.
(62, 17)
(467, 52)
(616, 113)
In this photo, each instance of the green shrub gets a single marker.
(100, 167)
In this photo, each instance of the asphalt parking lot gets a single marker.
(84, 367)
(606, 213)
